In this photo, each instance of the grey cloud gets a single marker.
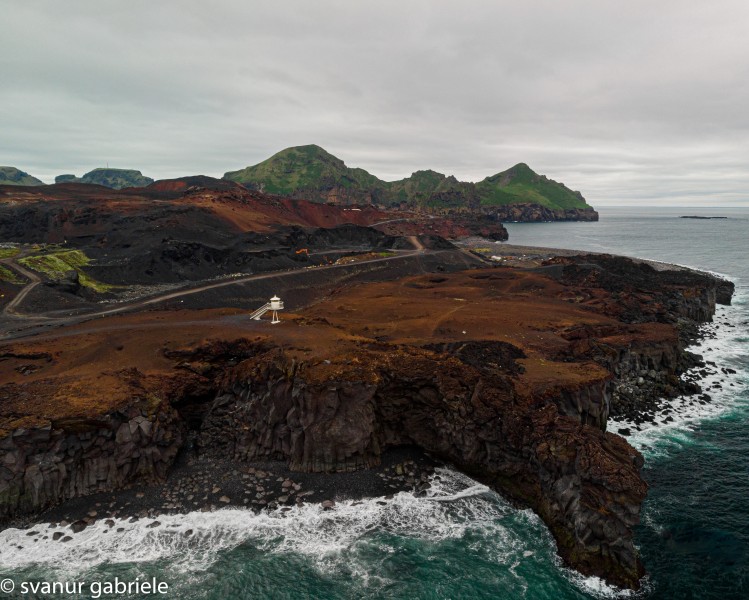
(627, 102)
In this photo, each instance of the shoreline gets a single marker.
(202, 484)
(208, 484)
(713, 378)
(647, 398)
(543, 253)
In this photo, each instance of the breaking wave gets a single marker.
(357, 539)
(724, 345)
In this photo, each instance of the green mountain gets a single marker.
(12, 176)
(311, 173)
(111, 178)
(520, 184)
(432, 189)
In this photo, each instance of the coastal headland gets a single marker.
(505, 372)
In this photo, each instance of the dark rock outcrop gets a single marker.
(642, 294)
(582, 481)
(535, 213)
(45, 464)
(724, 292)
(67, 178)
(70, 283)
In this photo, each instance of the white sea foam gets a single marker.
(454, 505)
(725, 346)
(333, 541)
(598, 588)
(473, 490)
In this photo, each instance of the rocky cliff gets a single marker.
(49, 463)
(506, 373)
(535, 213)
(321, 419)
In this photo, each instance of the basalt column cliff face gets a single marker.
(340, 416)
(47, 463)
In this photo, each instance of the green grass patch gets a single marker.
(10, 276)
(55, 264)
(9, 252)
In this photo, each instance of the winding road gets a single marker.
(14, 315)
(34, 280)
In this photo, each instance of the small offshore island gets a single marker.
(135, 383)
(699, 217)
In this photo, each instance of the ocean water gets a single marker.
(463, 540)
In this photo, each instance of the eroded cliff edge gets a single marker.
(583, 482)
(507, 373)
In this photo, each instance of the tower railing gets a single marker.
(260, 311)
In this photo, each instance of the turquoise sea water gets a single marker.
(464, 541)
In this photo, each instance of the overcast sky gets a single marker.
(627, 101)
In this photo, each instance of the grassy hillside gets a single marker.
(311, 173)
(56, 264)
(521, 184)
(432, 189)
(308, 169)
(13, 176)
(111, 178)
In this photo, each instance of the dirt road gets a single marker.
(44, 321)
(34, 280)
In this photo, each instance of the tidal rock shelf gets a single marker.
(509, 374)
(201, 483)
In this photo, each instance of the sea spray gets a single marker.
(721, 343)
(188, 549)
(193, 540)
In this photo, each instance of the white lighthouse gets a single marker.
(274, 306)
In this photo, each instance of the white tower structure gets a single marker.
(274, 305)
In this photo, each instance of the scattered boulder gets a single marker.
(79, 526)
